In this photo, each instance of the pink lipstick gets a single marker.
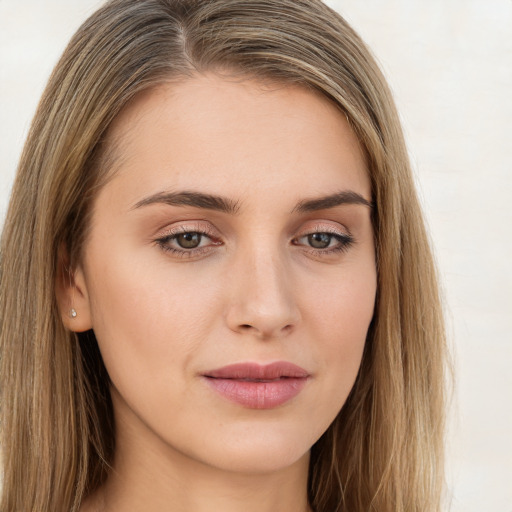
(258, 386)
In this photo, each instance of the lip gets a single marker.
(258, 386)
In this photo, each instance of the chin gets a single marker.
(262, 461)
(261, 453)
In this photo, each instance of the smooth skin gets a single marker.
(260, 273)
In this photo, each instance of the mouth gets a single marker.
(258, 386)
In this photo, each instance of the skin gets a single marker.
(254, 291)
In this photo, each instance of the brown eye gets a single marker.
(319, 240)
(189, 240)
(324, 243)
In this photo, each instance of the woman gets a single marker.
(217, 290)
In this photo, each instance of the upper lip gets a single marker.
(271, 371)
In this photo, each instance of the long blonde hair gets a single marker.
(384, 450)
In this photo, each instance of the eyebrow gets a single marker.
(331, 201)
(195, 199)
(226, 205)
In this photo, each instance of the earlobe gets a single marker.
(72, 296)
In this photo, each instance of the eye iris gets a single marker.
(319, 240)
(188, 240)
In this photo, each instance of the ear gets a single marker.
(72, 296)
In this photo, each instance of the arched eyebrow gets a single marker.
(189, 198)
(229, 206)
(331, 201)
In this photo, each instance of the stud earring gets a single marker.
(72, 313)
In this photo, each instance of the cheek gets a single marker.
(147, 318)
(339, 318)
(343, 299)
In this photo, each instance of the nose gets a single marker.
(262, 301)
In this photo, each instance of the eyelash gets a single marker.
(345, 241)
(163, 242)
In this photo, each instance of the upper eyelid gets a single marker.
(193, 227)
(206, 228)
(325, 228)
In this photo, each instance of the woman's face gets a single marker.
(229, 274)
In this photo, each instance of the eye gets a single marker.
(189, 240)
(185, 242)
(320, 240)
(324, 242)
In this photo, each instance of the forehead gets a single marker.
(223, 133)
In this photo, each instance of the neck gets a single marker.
(203, 492)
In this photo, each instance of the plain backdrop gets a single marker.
(449, 63)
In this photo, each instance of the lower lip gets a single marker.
(257, 394)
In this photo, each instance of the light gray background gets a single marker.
(450, 65)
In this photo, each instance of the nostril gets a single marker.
(248, 327)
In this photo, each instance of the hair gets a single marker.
(384, 451)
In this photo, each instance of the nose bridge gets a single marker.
(262, 299)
